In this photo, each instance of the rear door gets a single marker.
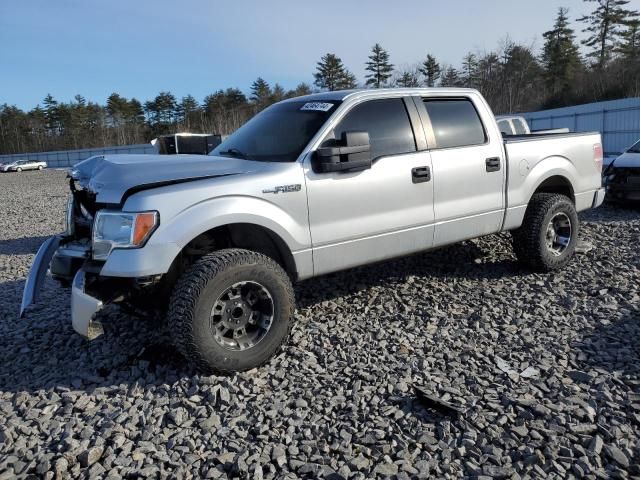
(384, 211)
(468, 168)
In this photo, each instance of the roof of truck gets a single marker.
(379, 92)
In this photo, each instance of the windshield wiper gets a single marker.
(234, 152)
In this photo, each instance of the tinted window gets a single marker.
(455, 123)
(519, 126)
(279, 133)
(386, 121)
(505, 127)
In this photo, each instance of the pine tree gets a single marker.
(629, 48)
(604, 26)
(300, 90)
(379, 67)
(332, 74)
(186, 110)
(560, 56)
(260, 91)
(277, 94)
(430, 68)
(470, 70)
(450, 77)
(52, 114)
(408, 79)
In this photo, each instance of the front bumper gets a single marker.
(623, 191)
(38, 272)
(83, 308)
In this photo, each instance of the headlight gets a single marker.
(121, 230)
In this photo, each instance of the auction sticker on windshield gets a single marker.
(319, 106)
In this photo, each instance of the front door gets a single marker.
(379, 213)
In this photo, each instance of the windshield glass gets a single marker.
(278, 133)
(635, 148)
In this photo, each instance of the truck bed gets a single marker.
(537, 157)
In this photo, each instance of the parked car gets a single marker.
(20, 165)
(622, 175)
(310, 185)
(517, 125)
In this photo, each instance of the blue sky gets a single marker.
(140, 47)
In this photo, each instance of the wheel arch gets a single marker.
(556, 183)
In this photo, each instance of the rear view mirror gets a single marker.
(352, 154)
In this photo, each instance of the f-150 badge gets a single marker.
(283, 188)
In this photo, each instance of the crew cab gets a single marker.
(309, 186)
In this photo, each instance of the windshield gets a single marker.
(635, 148)
(279, 133)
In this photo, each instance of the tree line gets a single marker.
(514, 77)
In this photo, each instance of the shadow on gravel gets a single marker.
(461, 260)
(613, 349)
(21, 246)
(42, 351)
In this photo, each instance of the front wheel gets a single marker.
(548, 236)
(231, 310)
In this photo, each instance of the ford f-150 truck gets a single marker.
(310, 185)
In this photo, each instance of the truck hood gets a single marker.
(628, 160)
(113, 177)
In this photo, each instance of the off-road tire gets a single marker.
(529, 243)
(196, 291)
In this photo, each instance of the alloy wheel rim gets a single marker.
(558, 234)
(242, 315)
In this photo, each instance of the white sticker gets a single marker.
(320, 106)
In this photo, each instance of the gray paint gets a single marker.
(339, 220)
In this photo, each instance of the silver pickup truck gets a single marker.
(311, 185)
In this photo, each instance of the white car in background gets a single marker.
(20, 165)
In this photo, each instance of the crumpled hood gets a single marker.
(110, 177)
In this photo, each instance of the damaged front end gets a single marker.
(69, 259)
(623, 183)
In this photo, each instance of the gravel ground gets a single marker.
(545, 368)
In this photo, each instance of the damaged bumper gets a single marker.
(83, 308)
(68, 261)
(623, 183)
(65, 262)
(38, 272)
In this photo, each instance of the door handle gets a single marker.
(493, 164)
(420, 174)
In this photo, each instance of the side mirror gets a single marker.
(351, 155)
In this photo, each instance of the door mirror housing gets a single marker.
(351, 154)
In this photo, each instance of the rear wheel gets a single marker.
(39, 167)
(18, 169)
(548, 236)
(231, 310)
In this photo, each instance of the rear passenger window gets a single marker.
(386, 121)
(455, 122)
(519, 126)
